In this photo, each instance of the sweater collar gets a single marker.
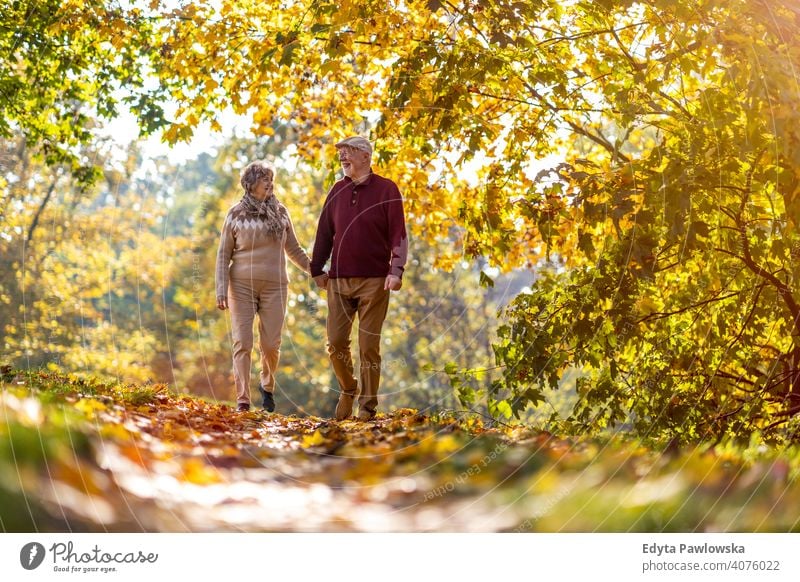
(366, 182)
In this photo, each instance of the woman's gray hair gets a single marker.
(253, 172)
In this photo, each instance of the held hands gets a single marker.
(321, 280)
(392, 283)
(222, 302)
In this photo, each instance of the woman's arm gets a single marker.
(293, 249)
(224, 256)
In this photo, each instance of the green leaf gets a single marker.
(287, 54)
(500, 408)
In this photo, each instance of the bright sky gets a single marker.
(123, 130)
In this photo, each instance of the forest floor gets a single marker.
(79, 455)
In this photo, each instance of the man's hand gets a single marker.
(392, 283)
(222, 302)
(321, 280)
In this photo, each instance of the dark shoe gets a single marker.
(243, 407)
(344, 408)
(267, 399)
(269, 402)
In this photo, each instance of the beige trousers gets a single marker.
(366, 297)
(246, 298)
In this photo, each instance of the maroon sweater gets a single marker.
(362, 230)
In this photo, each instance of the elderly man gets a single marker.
(362, 230)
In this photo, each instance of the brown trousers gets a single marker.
(366, 297)
(246, 298)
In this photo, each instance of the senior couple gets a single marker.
(361, 230)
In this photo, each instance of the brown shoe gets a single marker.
(243, 407)
(365, 415)
(344, 408)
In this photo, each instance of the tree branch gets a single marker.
(663, 314)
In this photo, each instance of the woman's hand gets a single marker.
(222, 302)
(321, 280)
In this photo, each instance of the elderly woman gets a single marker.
(251, 277)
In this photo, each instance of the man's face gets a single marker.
(355, 162)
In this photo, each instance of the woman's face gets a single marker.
(262, 189)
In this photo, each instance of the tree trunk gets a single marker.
(39, 211)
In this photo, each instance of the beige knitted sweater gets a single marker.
(247, 252)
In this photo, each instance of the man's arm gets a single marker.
(398, 242)
(398, 238)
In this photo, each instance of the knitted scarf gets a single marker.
(270, 211)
